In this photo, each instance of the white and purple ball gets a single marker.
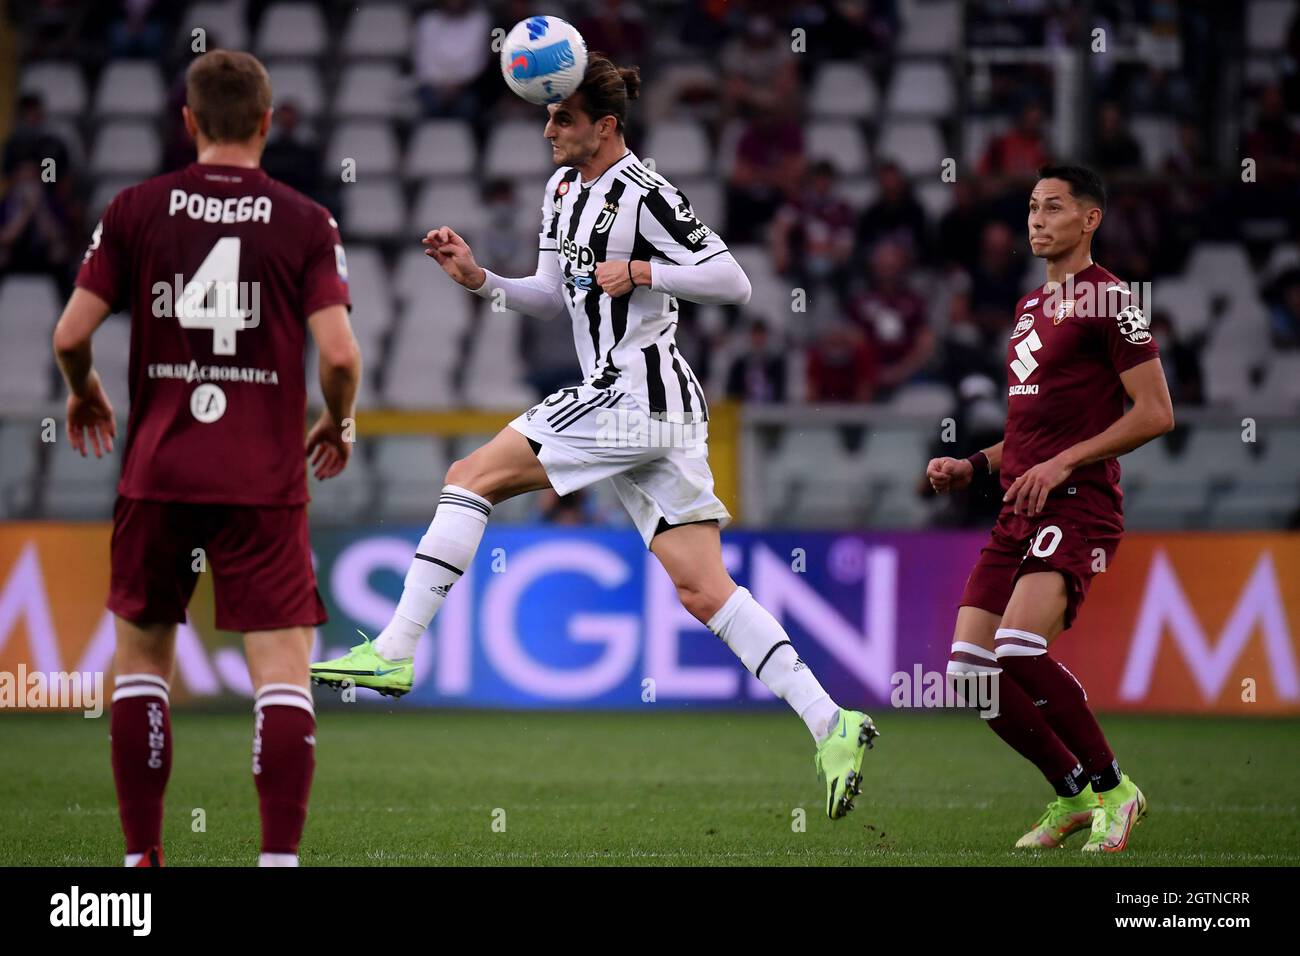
(543, 59)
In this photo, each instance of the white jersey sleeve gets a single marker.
(669, 224)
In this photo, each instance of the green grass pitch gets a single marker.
(412, 787)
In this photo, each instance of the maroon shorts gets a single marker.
(259, 557)
(1076, 536)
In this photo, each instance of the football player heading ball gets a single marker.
(619, 245)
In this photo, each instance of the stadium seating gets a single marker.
(223, 22)
(840, 142)
(843, 91)
(292, 29)
(348, 69)
(297, 82)
(372, 146)
(379, 30)
(126, 148)
(440, 148)
(678, 148)
(61, 86)
(130, 88)
(516, 148)
(373, 89)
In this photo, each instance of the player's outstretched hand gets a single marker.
(91, 413)
(326, 447)
(452, 253)
(948, 474)
(1030, 490)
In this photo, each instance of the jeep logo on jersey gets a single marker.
(1024, 325)
(1133, 325)
(583, 259)
(606, 218)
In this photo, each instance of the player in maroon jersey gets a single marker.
(224, 271)
(1079, 345)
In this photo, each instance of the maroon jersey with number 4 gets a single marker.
(220, 266)
(1064, 358)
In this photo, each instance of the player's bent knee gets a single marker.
(701, 602)
(1012, 642)
(972, 674)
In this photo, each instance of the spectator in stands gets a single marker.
(1272, 141)
(758, 373)
(35, 234)
(1019, 152)
(812, 234)
(1133, 236)
(32, 139)
(1188, 157)
(958, 240)
(1115, 149)
(704, 25)
(575, 508)
(758, 70)
(292, 155)
(896, 214)
(981, 315)
(616, 30)
(451, 57)
(846, 29)
(1284, 310)
(137, 32)
(841, 366)
(1180, 361)
(768, 170)
(893, 318)
(508, 242)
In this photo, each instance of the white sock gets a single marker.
(277, 859)
(133, 858)
(444, 553)
(763, 646)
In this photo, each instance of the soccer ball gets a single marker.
(544, 59)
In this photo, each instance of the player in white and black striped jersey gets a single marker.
(618, 246)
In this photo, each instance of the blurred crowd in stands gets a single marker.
(897, 294)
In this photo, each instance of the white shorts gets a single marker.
(659, 469)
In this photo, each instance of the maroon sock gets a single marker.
(1060, 698)
(284, 757)
(140, 748)
(1024, 728)
(1016, 720)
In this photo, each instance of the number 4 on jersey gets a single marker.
(217, 278)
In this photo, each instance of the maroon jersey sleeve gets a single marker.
(104, 267)
(1128, 338)
(325, 278)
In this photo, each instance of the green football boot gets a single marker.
(1063, 816)
(1119, 811)
(839, 760)
(364, 667)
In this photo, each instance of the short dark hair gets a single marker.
(1082, 181)
(607, 89)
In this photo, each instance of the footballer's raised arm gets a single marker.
(540, 295)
